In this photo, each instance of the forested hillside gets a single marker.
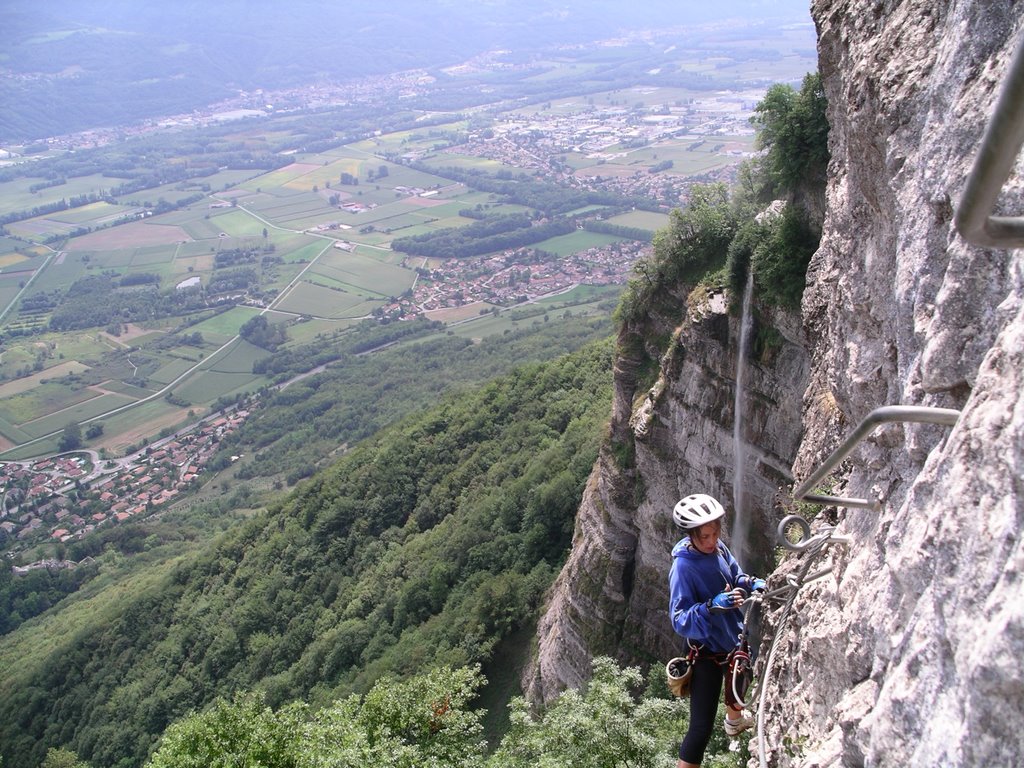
(296, 428)
(426, 545)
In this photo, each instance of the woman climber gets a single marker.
(706, 591)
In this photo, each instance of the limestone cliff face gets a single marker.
(903, 657)
(908, 654)
(668, 440)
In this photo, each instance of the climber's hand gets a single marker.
(751, 583)
(726, 601)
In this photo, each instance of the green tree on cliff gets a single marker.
(793, 130)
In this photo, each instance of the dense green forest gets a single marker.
(429, 719)
(97, 301)
(39, 590)
(427, 545)
(297, 430)
(358, 394)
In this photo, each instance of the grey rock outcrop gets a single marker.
(669, 440)
(904, 656)
(908, 653)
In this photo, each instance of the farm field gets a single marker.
(238, 358)
(170, 371)
(323, 302)
(129, 427)
(648, 220)
(224, 326)
(265, 240)
(459, 314)
(16, 195)
(581, 295)
(581, 240)
(510, 320)
(81, 412)
(410, 140)
(34, 380)
(363, 273)
(205, 387)
(28, 405)
(308, 331)
(465, 162)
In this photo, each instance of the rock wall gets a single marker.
(908, 653)
(673, 439)
(905, 655)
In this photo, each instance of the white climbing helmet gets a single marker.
(696, 510)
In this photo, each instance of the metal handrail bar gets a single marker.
(996, 157)
(918, 414)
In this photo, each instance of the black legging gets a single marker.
(705, 688)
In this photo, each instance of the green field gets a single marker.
(15, 195)
(8, 291)
(648, 220)
(581, 295)
(237, 223)
(489, 325)
(12, 432)
(465, 162)
(78, 413)
(222, 327)
(145, 420)
(81, 346)
(94, 213)
(307, 332)
(136, 393)
(364, 272)
(408, 141)
(43, 399)
(207, 386)
(577, 241)
(239, 358)
(171, 371)
(308, 299)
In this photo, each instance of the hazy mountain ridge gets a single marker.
(78, 66)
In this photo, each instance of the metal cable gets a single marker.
(813, 547)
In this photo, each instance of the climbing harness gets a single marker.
(739, 675)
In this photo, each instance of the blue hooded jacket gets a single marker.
(694, 579)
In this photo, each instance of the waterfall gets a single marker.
(738, 540)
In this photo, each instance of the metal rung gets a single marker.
(997, 155)
(917, 414)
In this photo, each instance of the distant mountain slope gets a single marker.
(428, 544)
(70, 66)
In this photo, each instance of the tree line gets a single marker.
(492, 233)
(548, 198)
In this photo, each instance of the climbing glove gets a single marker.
(750, 583)
(723, 601)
